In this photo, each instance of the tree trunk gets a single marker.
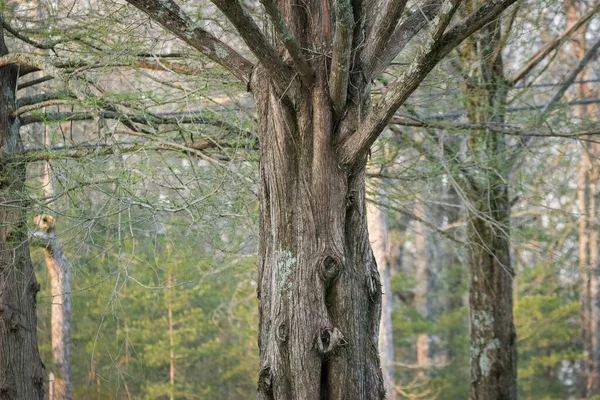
(421, 279)
(493, 334)
(318, 286)
(20, 364)
(59, 271)
(587, 194)
(378, 234)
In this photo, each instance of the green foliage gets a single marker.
(122, 344)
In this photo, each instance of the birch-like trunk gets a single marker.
(59, 271)
(587, 195)
(421, 260)
(378, 234)
(20, 364)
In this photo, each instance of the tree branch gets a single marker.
(173, 19)
(14, 32)
(354, 147)
(34, 82)
(491, 127)
(550, 47)
(384, 26)
(281, 74)
(146, 119)
(589, 55)
(290, 43)
(342, 50)
(404, 32)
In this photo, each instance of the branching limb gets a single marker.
(342, 50)
(403, 34)
(550, 47)
(355, 147)
(168, 14)
(14, 32)
(257, 42)
(589, 55)
(290, 43)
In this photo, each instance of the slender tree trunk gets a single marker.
(171, 336)
(378, 234)
(319, 289)
(587, 194)
(493, 334)
(421, 280)
(20, 364)
(59, 271)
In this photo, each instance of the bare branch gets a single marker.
(342, 50)
(384, 26)
(589, 55)
(34, 82)
(403, 33)
(490, 127)
(257, 42)
(550, 47)
(354, 147)
(146, 119)
(290, 43)
(14, 32)
(172, 18)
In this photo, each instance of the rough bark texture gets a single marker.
(378, 234)
(493, 335)
(319, 290)
(318, 285)
(59, 271)
(20, 364)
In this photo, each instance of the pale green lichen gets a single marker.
(285, 266)
(484, 360)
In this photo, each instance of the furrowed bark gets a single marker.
(20, 364)
(59, 271)
(319, 291)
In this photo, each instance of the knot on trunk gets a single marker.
(281, 332)
(265, 381)
(330, 268)
(329, 340)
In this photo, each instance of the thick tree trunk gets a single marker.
(59, 271)
(378, 234)
(319, 290)
(20, 364)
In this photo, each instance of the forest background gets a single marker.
(146, 154)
